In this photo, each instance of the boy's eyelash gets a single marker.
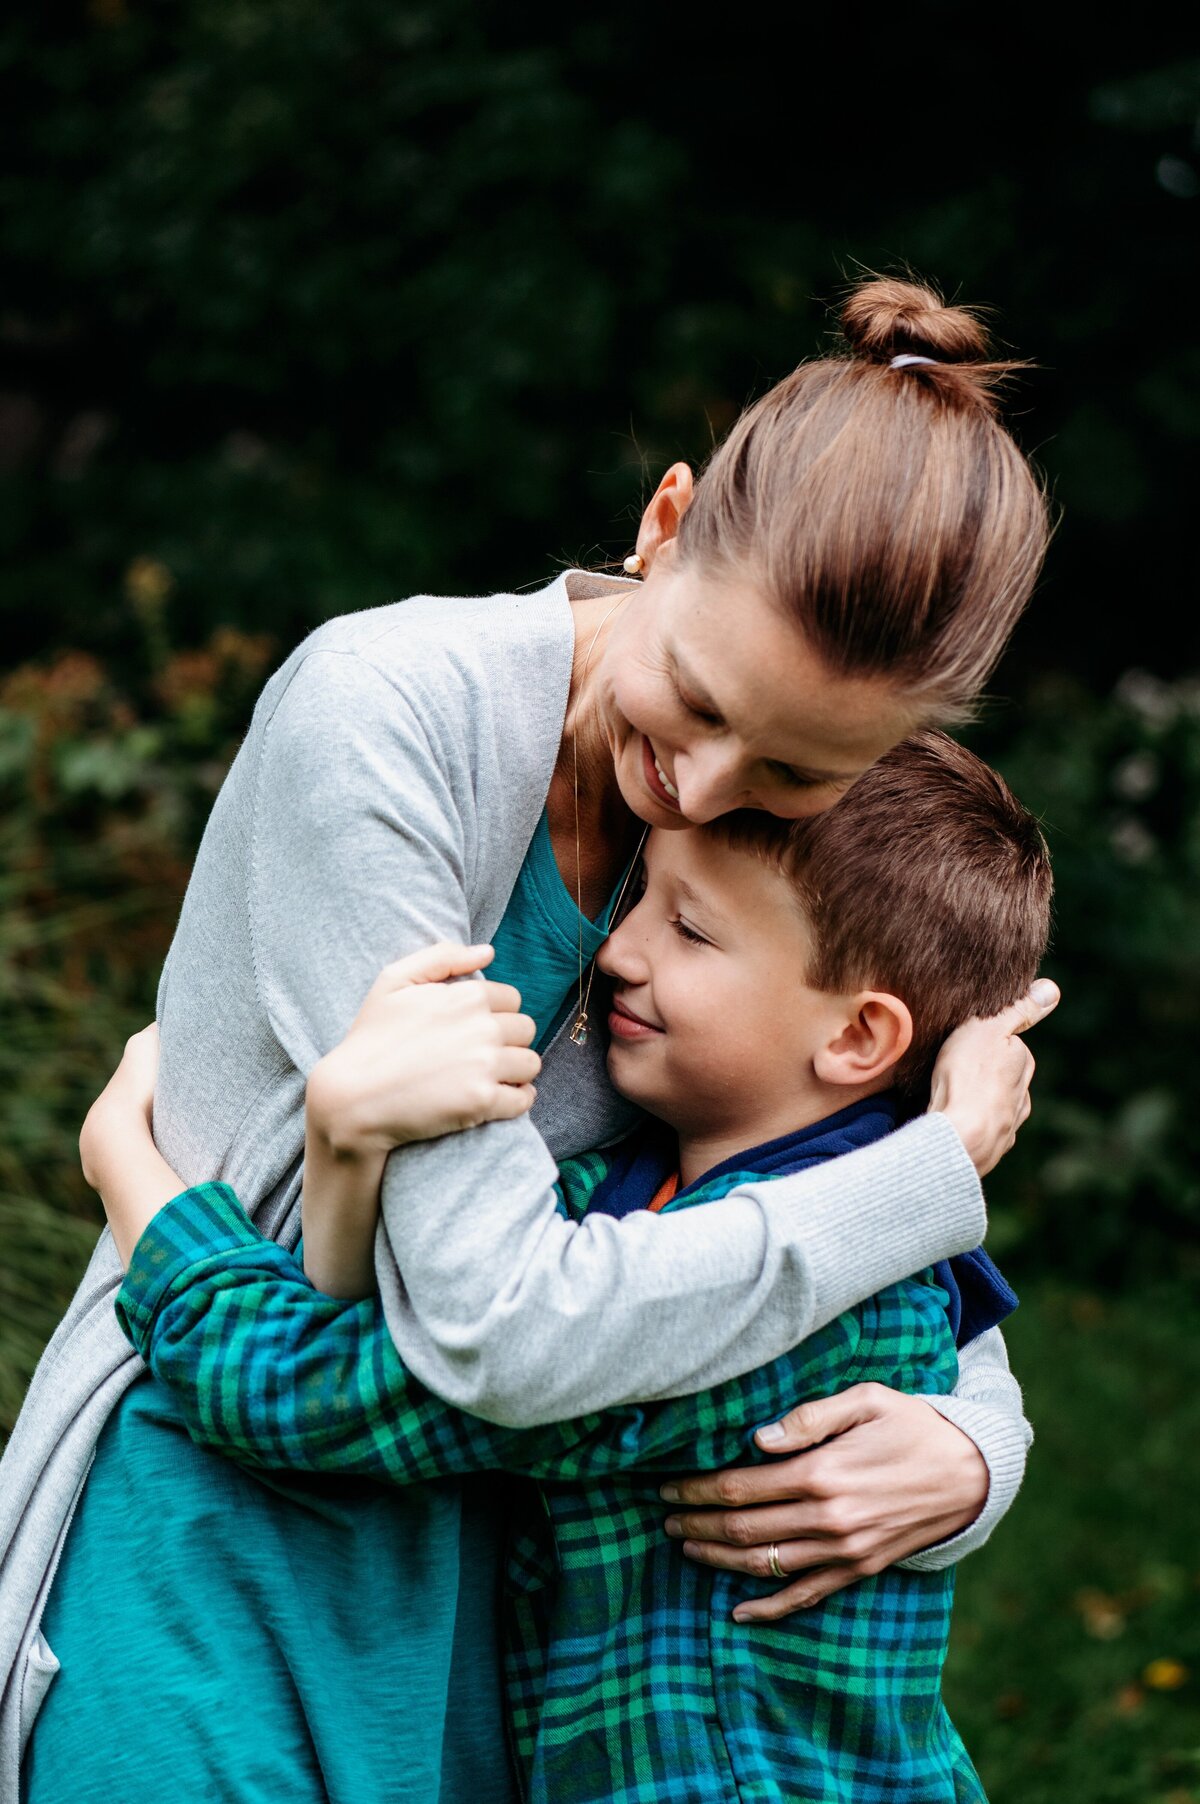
(689, 933)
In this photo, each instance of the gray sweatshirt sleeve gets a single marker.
(986, 1404)
(361, 853)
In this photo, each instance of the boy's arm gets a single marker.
(424, 1056)
(117, 1150)
(275, 1374)
(494, 1300)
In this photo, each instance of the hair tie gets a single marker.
(906, 360)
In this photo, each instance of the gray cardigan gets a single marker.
(391, 779)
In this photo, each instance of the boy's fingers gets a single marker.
(144, 1043)
(1041, 1000)
(512, 1100)
(435, 964)
(516, 1030)
(502, 998)
(517, 1065)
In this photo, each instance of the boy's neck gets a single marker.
(702, 1150)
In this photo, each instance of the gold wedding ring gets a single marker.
(773, 1561)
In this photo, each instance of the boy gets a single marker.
(778, 987)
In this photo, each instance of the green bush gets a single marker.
(1105, 1181)
(104, 790)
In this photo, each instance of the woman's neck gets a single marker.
(584, 805)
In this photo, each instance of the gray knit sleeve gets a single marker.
(986, 1404)
(362, 852)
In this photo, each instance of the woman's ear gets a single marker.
(668, 504)
(874, 1034)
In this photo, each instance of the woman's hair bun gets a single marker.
(885, 317)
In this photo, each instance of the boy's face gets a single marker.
(713, 1025)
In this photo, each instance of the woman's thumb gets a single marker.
(809, 1423)
(1040, 1000)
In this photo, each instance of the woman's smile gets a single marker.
(657, 783)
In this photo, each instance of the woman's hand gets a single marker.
(895, 1478)
(983, 1073)
(425, 1057)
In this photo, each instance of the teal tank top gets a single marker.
(230, 1636)
(539, 937)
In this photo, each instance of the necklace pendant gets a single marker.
(579, 1032)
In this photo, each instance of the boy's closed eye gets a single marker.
(687, 932)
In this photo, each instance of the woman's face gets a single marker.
(711, 701)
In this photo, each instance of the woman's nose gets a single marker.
(711, 782)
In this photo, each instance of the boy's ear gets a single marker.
(874, 1035)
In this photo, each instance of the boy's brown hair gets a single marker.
(928, 879)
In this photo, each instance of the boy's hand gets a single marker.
(889, 1477)
(117, 1150)
(425, 1057)
(983, 1073)
(120, 1117)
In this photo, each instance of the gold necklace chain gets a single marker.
(579, 1032)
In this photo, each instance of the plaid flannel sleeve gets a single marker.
(277, 1375)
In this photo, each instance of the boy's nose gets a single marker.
(622, 955)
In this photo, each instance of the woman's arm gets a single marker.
(424, 1056)
(867, 1479)
(274, 1374)
(364, 842)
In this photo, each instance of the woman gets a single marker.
(850, 565)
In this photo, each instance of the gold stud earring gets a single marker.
(634, 564)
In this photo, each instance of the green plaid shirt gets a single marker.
(627, 1677)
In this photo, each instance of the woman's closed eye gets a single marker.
(699, 710)
(795, 779)
(783, 773)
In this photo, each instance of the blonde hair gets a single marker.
(886, 510)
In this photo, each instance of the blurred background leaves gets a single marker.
(304, 308)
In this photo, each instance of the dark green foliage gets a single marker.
(1076, 1642)
(1105, 1181)
(323, 305)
